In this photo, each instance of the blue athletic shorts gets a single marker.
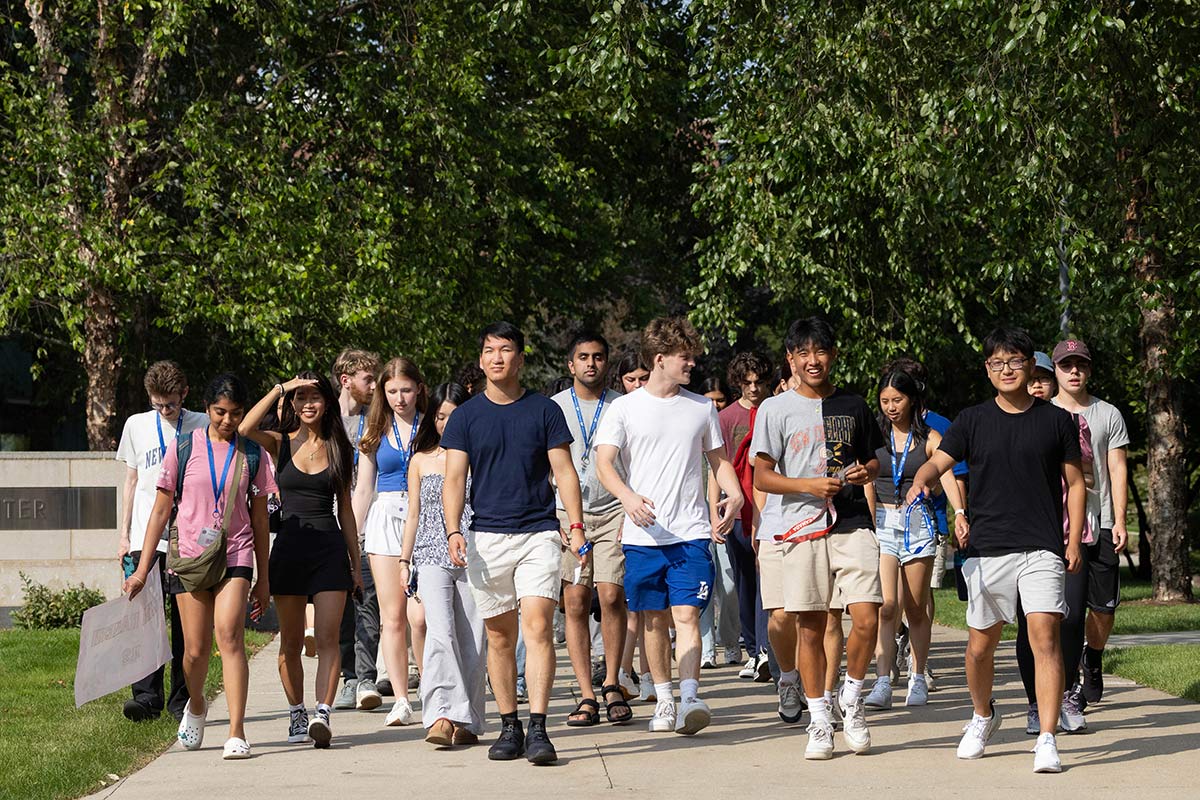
(657, 578)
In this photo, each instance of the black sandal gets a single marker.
(618, 719)
(593, 716)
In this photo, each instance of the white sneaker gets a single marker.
(732, 657)
(750, 671)
(918, 691)
(401, 713)
(854, 727)
(820, 742)
(647, 691)
(367, 696)
(835, 710)
(663, 720)
(628, 687)
(880, 695)
(1045, 754)
(976, 734)
(694, 716)
(709, 662)
(791, 705)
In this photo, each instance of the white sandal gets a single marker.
(191, 728)
(236, 748)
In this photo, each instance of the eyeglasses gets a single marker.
(167, 407)
(1015, 364)
(1040, 379)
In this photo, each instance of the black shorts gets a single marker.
(309, 557)
(1104, 574)
(174, 586)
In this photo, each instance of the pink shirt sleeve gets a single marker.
(170, 465)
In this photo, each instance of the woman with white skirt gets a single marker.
(455, 663)
(381, 508)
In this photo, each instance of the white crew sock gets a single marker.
(664, 691)
(851, 691)
(688, 689)
(328, 709)
(818, 710)
(296, 707)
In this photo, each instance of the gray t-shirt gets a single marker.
(1108, 433)
(596, 499)
(790, 430)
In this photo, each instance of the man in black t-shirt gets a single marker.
(1019, 451)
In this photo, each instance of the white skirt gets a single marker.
(384, 528)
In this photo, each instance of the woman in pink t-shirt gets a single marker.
(201, 509)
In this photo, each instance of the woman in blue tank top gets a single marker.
(381, 507)
(907, 534)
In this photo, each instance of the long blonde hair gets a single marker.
(380, 413)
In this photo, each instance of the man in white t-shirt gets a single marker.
(661, 433)
(144, 442)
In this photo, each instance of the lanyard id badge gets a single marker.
(219, 487)
(162, 444)
(406, 452)
(589, 432)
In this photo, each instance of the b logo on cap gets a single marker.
(1072, 346)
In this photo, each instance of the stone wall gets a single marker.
(58, 520)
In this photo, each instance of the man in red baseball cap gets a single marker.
(1106, 504)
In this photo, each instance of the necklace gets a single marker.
(316, 446)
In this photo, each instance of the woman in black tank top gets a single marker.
(315, 554)
(907, 534)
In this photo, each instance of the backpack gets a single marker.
(183, 452)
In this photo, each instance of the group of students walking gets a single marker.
(482, 507)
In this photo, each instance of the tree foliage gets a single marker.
(283, 180)
(920, 171)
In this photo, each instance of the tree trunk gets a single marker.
(102, 360)
(1165, 459)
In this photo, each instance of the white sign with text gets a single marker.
(122, 641)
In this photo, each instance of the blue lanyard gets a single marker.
(162, 445)
(212, 471)
(405, 453)
(358, 439)
(588, 433)
(898, 471)
(919, 500)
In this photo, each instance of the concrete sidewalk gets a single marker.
(1141, 742)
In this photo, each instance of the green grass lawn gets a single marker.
(1171, 668)
(49, 749)
(1137, 613)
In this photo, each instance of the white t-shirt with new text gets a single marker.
(662, 442)
(140, 449)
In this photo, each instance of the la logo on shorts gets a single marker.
(702, 594)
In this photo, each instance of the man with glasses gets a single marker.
(1106, 500)
(144, 442)
(1019, 450)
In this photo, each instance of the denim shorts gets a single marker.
(891, 538)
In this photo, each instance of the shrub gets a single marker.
(45, 608)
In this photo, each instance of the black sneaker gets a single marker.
(298, 727)
(1093, 680)
(599, 673)
(137, 711)
(319, 729)
(511, 743)
(538, 749)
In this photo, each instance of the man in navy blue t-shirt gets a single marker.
(511, 440)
